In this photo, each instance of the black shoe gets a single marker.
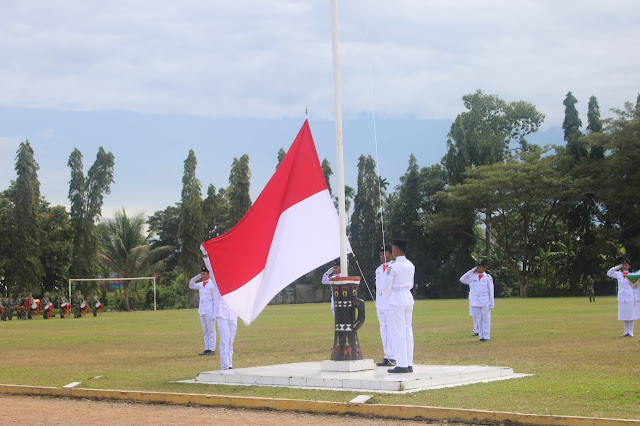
(483, 340)
(410, 369)
(625, 335)
(475, 334)
(210, 353)
(384, 363)
(230, 368)
(205, 352)
(398, 370)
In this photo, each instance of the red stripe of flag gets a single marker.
(239, 255)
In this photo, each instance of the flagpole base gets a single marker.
(348, 366)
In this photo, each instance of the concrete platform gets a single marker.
(309, 375)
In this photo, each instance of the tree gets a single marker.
(404, 218)
(125, 250)
(525, 195)
(483, 134)
(619, 179)
(163, 231)
(57, 246)
(24, 269)
(164, 225)
(238, 192)
(366, 236)
(215, 209)
(572, 122)
(6, 224)
(349, 195)
(327, 172)
(281, 154)
(191, 229)
(86, 195)
(593, 116)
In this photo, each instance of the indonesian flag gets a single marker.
(291, 229)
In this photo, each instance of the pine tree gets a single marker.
(24, 269)
(238, 192)
(215, 209)
(593, 116)
(572, 122)
(327, 172)
(281, 154)
(366, 236)
(191, 230)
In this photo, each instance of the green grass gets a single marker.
(580, 366)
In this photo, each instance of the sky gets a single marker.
(150, 80)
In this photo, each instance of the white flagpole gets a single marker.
(340, 158)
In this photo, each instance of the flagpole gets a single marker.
(340, 157)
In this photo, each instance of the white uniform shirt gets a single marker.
(480, 288)
(381, 274)
(399, 281)
(626, 292)
(209, 296)
(225, 312)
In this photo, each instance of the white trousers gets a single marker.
(483, 316)
(209, 329)
(385, 334)
(474, 317)
(628, 327)
(399, 321)
(227, 330)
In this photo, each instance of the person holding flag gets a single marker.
(291, 229)
(206, 309)
(628, 297)
(382, 308)
(398, 284)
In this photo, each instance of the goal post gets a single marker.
(72, 280)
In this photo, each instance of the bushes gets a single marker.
(171, 293)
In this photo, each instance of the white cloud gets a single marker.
(255, 59)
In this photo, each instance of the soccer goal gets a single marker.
(72, 280)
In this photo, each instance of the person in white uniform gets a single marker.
(228, 326)
(398, 285)
(382, 308)
(206, 308)
(472, 313)
(227, 323)
(628, 297)
(481, 298)
(334, 271)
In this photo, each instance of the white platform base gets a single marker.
(348, 366)
(309, 375)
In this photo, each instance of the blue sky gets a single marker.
(150, 80)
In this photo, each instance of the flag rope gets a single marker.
(375, 140)
(363, 277)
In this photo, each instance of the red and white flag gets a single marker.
(291, 229)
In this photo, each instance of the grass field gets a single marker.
(580, 366)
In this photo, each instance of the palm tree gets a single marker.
(126, 251)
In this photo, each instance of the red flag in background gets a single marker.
(291, 229)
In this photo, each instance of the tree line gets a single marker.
(543, 217)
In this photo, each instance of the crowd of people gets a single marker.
(26, 307)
